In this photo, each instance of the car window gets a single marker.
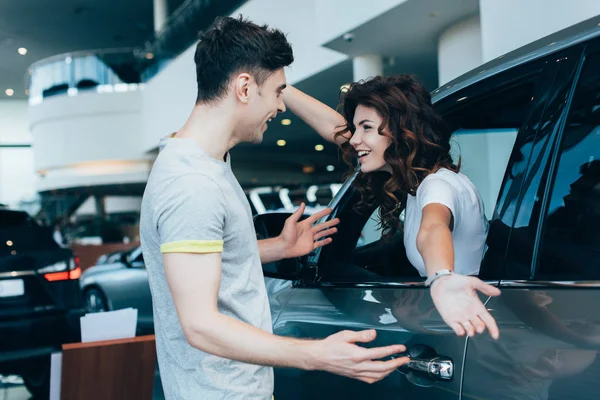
(485, 129)
(371, 231)
(484, 133)
(570, 243)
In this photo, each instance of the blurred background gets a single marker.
(88, 87)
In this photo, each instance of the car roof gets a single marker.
(560, 40)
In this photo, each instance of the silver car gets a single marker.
(119, 284)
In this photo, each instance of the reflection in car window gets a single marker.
(570, 247)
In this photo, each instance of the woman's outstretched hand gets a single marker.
(455, 297)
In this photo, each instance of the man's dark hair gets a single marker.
(233, 45)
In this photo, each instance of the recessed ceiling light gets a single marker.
(22, 51)
(9, 92)
(319, 147)
(286, 121)
(461, 99)
(149, 56)
(308, 169)
(330, 168)
(281, 143)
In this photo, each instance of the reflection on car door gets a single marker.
(547, 314)
(346, 295)
(404, 315)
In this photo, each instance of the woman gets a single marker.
(390, 125)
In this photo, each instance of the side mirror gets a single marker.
(269, 225)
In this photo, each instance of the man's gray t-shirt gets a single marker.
(193, 203)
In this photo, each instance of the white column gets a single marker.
(367, 66)
(459, 49)
(161, 13)
(509, 24)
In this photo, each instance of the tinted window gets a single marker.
(570, 247)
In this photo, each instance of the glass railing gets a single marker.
(102, 71)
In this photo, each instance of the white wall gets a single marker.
(334, 18)
(509, 24)
(168, 99)
(459, 49)
(89, 139)
(17, 174)
(301, 21)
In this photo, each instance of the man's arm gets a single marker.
(272, 249)
(194, 281)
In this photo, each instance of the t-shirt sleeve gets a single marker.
(437, 190)
(191, 217)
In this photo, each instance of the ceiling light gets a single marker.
(330, 168)
(9, 92)
(461, 99)
(281, 143)
(308, 169)
(22, 51)
(149, 56)
(286, 121)
(9, 243)
(68, 60)
(319, 147)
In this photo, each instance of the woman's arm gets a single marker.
(455, 296)
(322, 118)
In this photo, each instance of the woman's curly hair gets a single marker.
(420, 143)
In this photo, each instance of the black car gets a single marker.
(528, 125)
(40, 299)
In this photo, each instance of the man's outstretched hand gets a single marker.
(302, 237)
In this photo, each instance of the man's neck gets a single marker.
(213, 128)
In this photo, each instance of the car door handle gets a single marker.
(438, 368)
(426, 366)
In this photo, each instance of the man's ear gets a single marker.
(242, 87)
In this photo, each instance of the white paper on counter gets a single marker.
(120, 324)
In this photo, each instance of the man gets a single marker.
(211, 312)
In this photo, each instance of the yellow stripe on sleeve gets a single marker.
(193, 246)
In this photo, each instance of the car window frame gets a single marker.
(589, 50)
(481, 89)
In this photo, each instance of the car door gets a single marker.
(139, 290)
(362, 282)
(547, 314)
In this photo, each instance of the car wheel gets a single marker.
(37, 378)
(95, 301)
